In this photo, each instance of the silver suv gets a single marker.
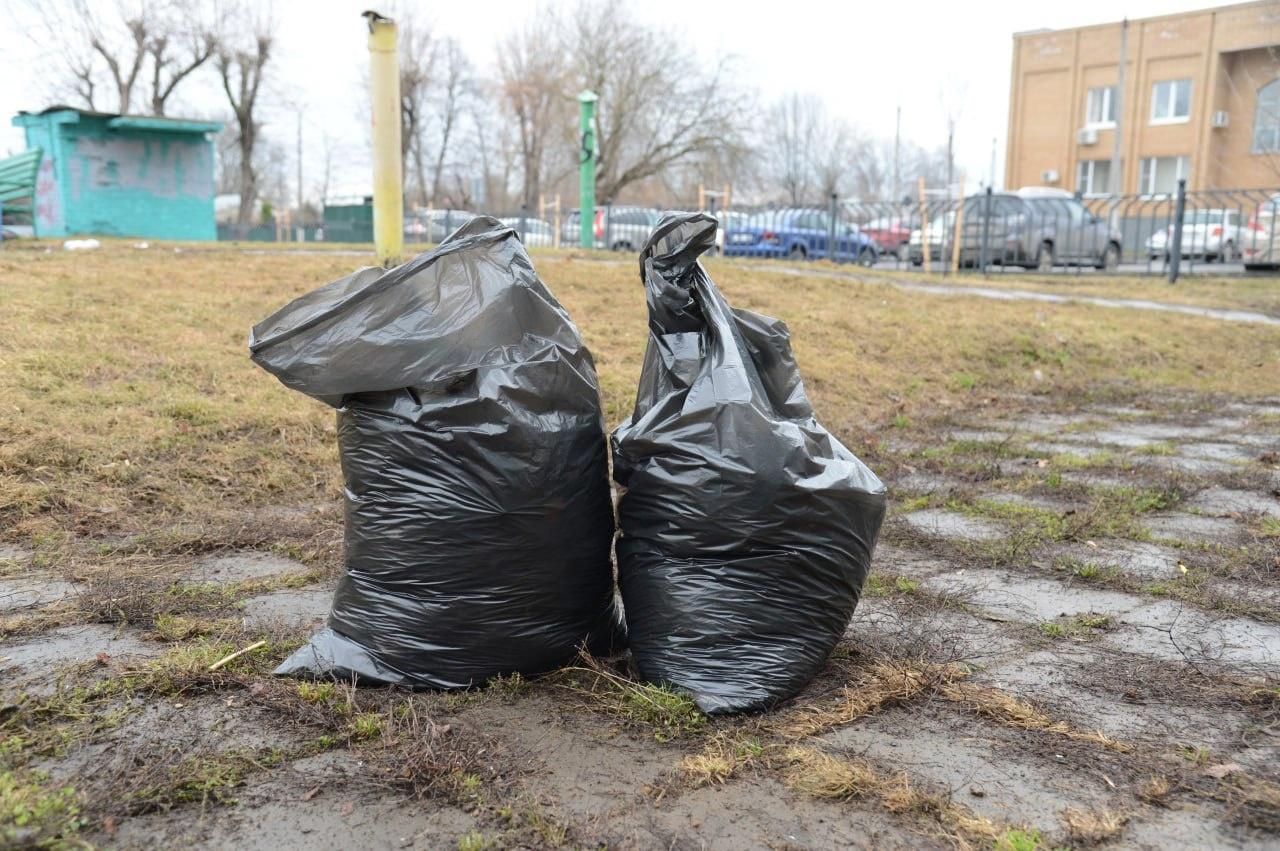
(1033, 230)
(616, 228)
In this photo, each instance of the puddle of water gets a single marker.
(949, 524)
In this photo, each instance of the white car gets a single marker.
(1260, 242)
(534, 233)
(1211, 234)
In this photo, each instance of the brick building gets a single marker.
(1201, 101)
(121, 175)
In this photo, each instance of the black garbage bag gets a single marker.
(746, 529)
(478, 511)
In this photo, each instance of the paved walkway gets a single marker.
(1222, 314)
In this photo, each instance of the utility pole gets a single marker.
(1115, 185)
(587, 173)
(384, 91)
(897, 156)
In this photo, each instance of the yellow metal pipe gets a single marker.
(388, 186)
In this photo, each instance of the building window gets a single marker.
(1093, 177)
(1100, 107)
(1266, 120)
(1171, 101)
(1160, 175)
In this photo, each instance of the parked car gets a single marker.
(1028, 228)
(615, 228)
(1260, 238)
(728, 220)
(893, 233)
(1211, 234)
(435, 225)
(534, 233)
(800, 233)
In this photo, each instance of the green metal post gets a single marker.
(587, 175)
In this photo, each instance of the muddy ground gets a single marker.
(1071, 638)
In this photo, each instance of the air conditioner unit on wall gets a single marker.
(1049, 175)
(1220, 118)
(1086, 136)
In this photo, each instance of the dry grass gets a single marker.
(1155, 790)
(1007, 709)
(132, 409)
(1091, 827)
(722, 758)
(880, 684)
(822, 775)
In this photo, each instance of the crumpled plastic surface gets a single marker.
(746, 529)
(478, 511)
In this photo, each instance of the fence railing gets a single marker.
(1041, 230)
(1179, 232)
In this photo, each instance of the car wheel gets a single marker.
(866, 257)
(1044, 257)
(1110, 259)
(797, 252)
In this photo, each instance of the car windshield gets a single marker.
(1204, 217)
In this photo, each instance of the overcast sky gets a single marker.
(863, 60)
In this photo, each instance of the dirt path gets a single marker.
(1221, 314)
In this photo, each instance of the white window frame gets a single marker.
(1108, 95)
(1088, 169)
(1266, 120)
(1147, 173)
(1171, 101)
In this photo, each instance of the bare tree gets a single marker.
(241, 67)
(176, 50)
(659, 104)
(139, 51)
(454, 88)
(533, 88)
(789, 125)
(417, 66)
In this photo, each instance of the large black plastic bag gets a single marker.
(478, 513)
(746, 529)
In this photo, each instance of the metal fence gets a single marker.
(1211, 232)
(1043, 231)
